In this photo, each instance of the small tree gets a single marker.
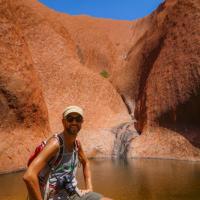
(104, 73)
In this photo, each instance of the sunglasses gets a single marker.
(77, 119)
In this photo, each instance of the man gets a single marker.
(45, 181)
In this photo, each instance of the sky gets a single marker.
(114, 9)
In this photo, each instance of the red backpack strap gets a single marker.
(77, 144)
(38, 149)
(77, 147)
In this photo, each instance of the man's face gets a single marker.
(72, 123)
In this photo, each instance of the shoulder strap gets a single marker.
(77, 147)
(77, 144)
(56, 161)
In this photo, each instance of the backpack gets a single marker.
(40, 147)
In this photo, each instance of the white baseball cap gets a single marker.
(72, 109)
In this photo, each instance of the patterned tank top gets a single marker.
(67, 166)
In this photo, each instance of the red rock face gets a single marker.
(23, 111)
(48, 71)
(51, 60)
(170, 76)
(171, 64)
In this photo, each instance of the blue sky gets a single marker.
(114, 9)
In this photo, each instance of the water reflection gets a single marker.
(148, 179)
(141, 179)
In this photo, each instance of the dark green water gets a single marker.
(139, 179)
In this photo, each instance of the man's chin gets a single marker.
(73, 131)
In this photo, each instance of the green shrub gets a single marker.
(104, 73)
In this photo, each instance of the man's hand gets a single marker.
(83, 192)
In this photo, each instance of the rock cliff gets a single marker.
(168, 87)
(145, 70)
(24, 117)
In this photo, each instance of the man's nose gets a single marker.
(74, 121)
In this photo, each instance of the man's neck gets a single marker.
(69, 140)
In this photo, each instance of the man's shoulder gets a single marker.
(54, 142)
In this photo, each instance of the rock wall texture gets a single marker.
(42, 72)
(23, 116)
(168, 88)
(170, 68)
(50, 60)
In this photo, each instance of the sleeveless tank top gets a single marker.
(67, 166)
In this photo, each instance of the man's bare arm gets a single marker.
(31, 175)
(86, 168)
